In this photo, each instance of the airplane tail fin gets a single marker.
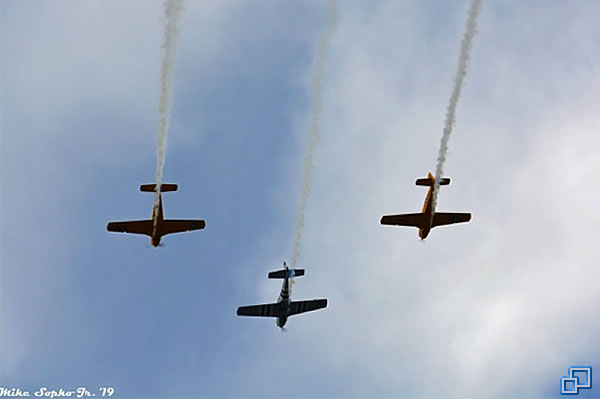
(430, 179)
(283, 273)
(163, 188)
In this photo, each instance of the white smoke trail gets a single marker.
(173, 9)
(317, 88)
(459, 79)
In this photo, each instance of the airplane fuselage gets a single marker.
(157, 218)
(284, 302)
(428, 212)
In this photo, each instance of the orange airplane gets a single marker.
(423, 220)
(163, 226)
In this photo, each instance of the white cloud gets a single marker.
(465, 312)
(475, 306)
(80, 94)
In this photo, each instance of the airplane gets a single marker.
(423, 220)
(284, 307)
(163, 226)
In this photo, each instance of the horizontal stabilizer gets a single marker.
(428, 181)
(290, 273)
(163, 188)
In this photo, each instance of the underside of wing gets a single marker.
(441, 218)
(297, 307)
(264, 310)
(170, 226)
(134, 227)
(408, 219)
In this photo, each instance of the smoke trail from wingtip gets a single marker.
(313, 139)
(459, 79)
(173, 9)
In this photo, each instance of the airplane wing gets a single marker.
(133, 226)
(409, 219)
(298, 307)
(264, 310)
(442, 218)
(170, 226)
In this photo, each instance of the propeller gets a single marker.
(161, 245)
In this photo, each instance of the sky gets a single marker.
(499, 307)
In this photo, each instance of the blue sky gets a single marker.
(465, 313)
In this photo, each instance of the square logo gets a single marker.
(580, 377)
